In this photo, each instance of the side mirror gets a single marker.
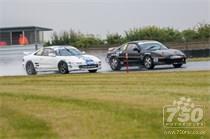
(52, 54)
(136, 49)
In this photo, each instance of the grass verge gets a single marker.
(87, 106)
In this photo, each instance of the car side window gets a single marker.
(64, 52)
(57, 52)
(39, 53)
(46, 51)
(152, 46)
(131, 48)
(51, 51)
(123, 47)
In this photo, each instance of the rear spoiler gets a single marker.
(112, 48)
(27, 53)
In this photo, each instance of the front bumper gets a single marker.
(169, 60)
(84, 67)
(88, 67)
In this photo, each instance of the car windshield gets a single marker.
(69, 52)
(153, 46)
(74, 51)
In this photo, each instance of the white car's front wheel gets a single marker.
(63, 68)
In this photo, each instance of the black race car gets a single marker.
(147, 53)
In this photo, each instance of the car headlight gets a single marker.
(156, 55)
(99, 63)
(179, 53)
(79, 63)
(182, 53)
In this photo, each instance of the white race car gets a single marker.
(60, 58)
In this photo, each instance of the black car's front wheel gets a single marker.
(115, 63)
(92, 71)
(177, 65)
(63, 68)
(148, 62)
(30, 68)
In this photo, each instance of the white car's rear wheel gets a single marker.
(30, 70)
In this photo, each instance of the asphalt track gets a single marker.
(12, 66)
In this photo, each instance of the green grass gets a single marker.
(96, 106)
(198, 59)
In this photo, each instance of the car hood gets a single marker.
(91, 57)
(169, 52)
(82, 59)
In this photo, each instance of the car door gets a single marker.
(133, 52)
(48, 61)
(37, 58)
(122, 53)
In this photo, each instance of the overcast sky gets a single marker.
(103, 16)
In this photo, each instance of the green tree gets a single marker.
(190, 35)
(203, 31)
(114, 38)
(165, 35)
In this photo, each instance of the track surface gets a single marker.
(12, 66)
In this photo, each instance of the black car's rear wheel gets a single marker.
(148, 62)
(115, 64)
(63, 68)
(30, 68)
(177, 65)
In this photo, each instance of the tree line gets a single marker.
(165, 35)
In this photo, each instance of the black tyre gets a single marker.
(92, 71)
(30, 70)
(177, 65)
(115, 64)
(148, 62)
(63, 68)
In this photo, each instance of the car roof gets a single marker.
(144, 41)
(59, 46)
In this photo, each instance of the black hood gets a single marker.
(168, 52)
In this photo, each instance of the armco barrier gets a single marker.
(16, 50)
(190, 45)
(197, 53)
